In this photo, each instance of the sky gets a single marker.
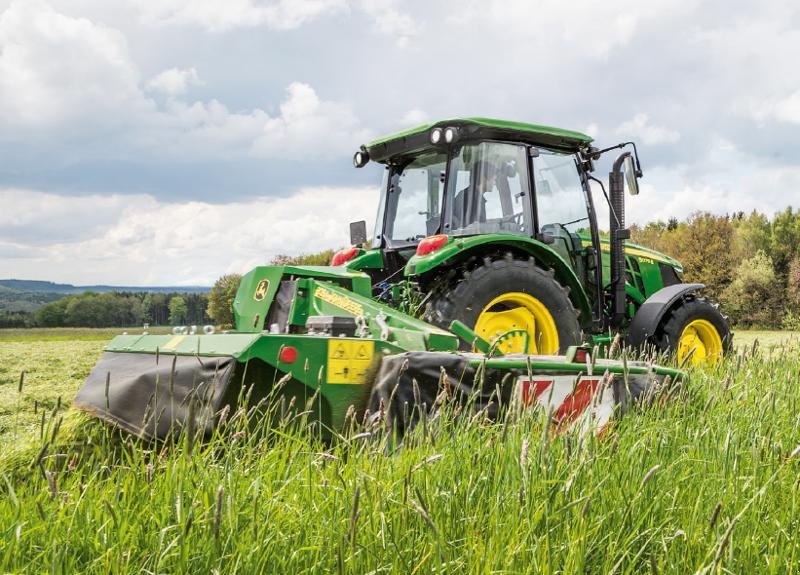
(167, 142)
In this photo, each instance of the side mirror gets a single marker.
(358, 233)
(631, 180)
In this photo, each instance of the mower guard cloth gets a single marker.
(409, 384)
(154, 395)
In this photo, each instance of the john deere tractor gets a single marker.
(494, 222)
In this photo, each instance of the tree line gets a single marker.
(124, 309)
(115, 309)
(750, 263)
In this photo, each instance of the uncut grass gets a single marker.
(704, 482)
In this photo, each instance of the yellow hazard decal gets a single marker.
(339, 301)
(261, 290)
(173, 343)
(348, 360)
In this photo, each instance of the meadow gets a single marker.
(706, 482)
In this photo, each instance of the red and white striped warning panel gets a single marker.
(585, 402)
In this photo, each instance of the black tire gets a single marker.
(689, 309)
(464, 298)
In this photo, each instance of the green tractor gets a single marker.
(494, 222)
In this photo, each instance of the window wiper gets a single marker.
(575, 221)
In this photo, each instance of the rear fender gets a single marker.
(458, 250)
(649, 316)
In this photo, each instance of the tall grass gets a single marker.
(706, 481)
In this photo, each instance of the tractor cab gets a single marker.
(483, 178)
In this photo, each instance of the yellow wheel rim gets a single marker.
(699, 343)
(518, 311)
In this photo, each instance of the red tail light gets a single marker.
(431, 244)
(344, 256)
(288, 354)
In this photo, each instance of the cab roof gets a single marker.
(417, 139)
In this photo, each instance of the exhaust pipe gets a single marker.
(619, 233)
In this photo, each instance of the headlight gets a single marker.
(360, 159)
(450, 135)
(436, 135)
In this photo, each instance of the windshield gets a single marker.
(560, 198)
(413, 205)
(487, 190)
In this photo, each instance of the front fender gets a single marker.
(650, 314)
(461, 248)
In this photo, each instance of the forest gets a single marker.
(750, 263)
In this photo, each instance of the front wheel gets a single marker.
(696, 331)
(511, 303)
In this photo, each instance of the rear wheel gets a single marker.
(512, 303)
(697, 332)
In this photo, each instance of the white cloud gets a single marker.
(639, 128)
(58, 73)
(785, 109)
(392, 21)
(53, 69)
(175, 81)
(552, 23)
(143, 241)
(225, 15)
(220, 16)
(414, 118)
(307, 124)
(592, 130)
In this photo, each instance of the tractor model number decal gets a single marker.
(261, 290)
(348, 360)
(339, 301)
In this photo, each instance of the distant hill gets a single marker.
(37, 286)
(26, 296)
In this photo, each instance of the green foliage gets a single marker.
(785, 239)
(791, 321)
(318, 259)
(410, 300)
(52, 314)
(754, 296)
(793, 284)
(707, 252)
(177, 310)
(704, 481)
(713, 250)
(220, 300)
(114, 309)
(16, 319)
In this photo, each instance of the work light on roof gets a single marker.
(450, 135)
(436, 135)
(360, 159)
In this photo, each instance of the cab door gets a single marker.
(563, 212)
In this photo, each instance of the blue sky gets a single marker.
(169, 142)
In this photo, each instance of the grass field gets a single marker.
(706, 482)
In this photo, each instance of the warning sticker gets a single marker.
(348, 360)
(173, 343)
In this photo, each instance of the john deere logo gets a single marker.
(261, 290)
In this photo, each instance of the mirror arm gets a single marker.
(597, 153)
